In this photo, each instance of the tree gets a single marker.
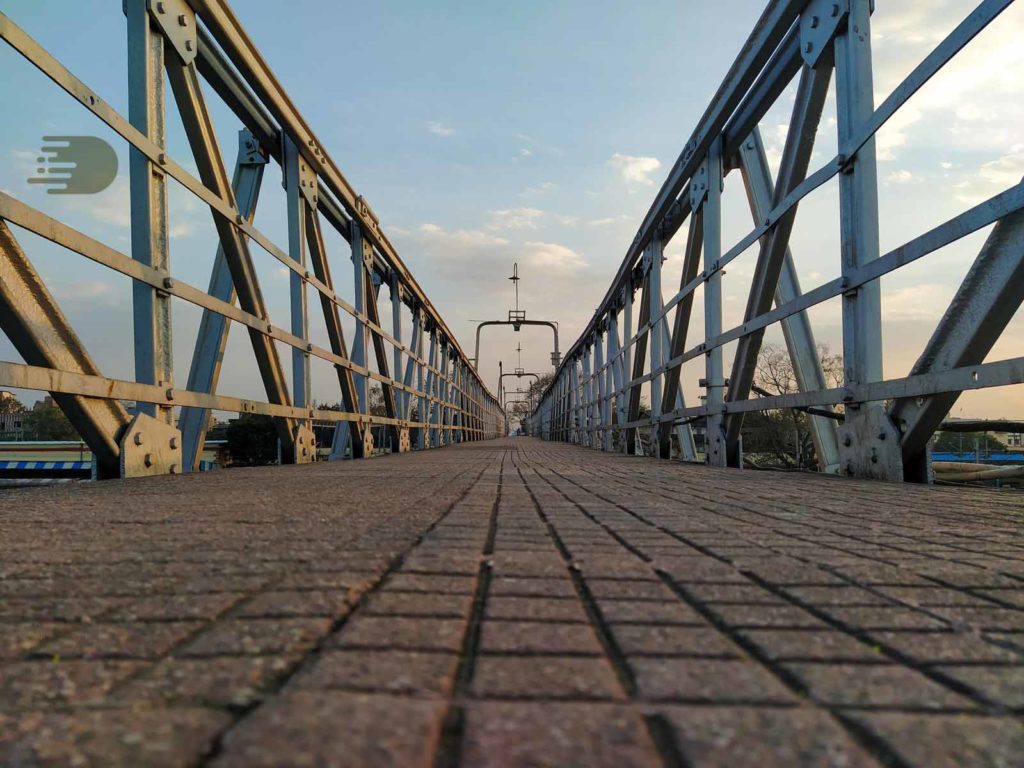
(534, 392)
(48, 423)
(783, 438)
(252, 440)
(11, 405)
(964, 442)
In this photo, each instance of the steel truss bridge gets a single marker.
(570, 600)
(595, 399)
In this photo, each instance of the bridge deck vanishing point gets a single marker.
(510, 603)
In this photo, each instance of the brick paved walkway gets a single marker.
(510, 603)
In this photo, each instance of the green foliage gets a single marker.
(48, 424)
(11, 405)
(252, 441)
(957, 442)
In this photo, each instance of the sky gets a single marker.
(537, 133)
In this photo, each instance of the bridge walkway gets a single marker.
(510, 603)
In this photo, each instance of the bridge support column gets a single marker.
(600, 425)
(610, 380)
(149, 232)
(710, 199)
(657, 309)
(868, 441)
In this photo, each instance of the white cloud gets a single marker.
(902, 176)
(462, 238)
(535, 147)
(552, 256)
(91, 292)
(972, 104)
(917, 303)
(992, 177)
(635, 170)
(541, 189)
(515, 218)
(438, 128)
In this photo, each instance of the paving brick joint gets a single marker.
(510, 603)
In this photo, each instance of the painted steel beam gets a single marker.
(986, 301)
(869, 444)
(680, 329)
(552, 325)
(202, 138)
(639, 362)
(335, 332)
(228, 33)
(773, 26)
(714, 452)
(211, 341)
(151, 310)
(796, 157)
(800, 343)
(33, 321)
(300, 191)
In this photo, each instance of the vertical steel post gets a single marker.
(293, 177)
(586, 426)
(597, 419)
(415, 351)
(361, 339)
(611, 386)
(148, 188)
(396, 331)
(656, 310)
(713, 367)
(869, 444)
(625, 367)
(427, 388)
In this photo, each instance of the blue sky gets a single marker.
(538, 132)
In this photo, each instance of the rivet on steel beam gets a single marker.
(173, 469)
(168, 283)
(835, 10)
(148, 460)
(881, 435)
(138, 438)
(182, 20)
(169, 393)
(160, 8)
(814, 22)
(174, 443)
(809, 47)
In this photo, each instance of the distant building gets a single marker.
(12, 426)
(1010, 439)
(46, 402)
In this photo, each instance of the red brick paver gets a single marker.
(510, 603)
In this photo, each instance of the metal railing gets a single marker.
(429, 382)
(886, 424)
